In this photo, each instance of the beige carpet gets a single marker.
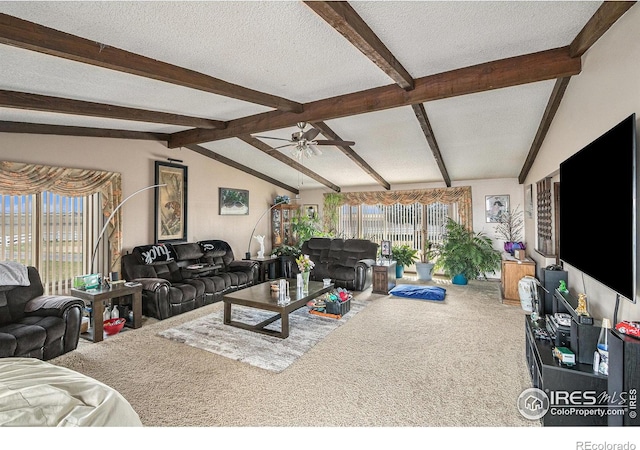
(398, 363)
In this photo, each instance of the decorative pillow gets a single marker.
(157, 253)
(420, 292)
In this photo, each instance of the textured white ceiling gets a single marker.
(283, 48)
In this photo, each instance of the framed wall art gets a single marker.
(495, 207)
(233, 202)
(528, 198)
(311, 211)
(170, 202)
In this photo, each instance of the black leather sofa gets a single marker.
(346, 261)
(173, 281)
(36, 325)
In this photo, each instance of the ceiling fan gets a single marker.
(304, 142)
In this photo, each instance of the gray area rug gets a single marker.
(267, 352)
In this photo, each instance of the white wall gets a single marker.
(603, 94)
(135, 160)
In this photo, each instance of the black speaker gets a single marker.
(584, 340)
(624, 377)
(551, 282)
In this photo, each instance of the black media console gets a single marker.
(579, 380)
(548, 375)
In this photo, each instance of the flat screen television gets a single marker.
(598, 211)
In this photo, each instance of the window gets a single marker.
(400, 224)
(402, 217)
(51, 232)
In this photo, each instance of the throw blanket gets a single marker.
(157, 253)
(12, 274)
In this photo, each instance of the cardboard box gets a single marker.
(519, 254)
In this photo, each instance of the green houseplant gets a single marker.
(404, 256)
(303, 228)
(466, 255)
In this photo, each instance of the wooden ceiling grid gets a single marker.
(559, 64)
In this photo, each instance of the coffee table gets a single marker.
(261, 297)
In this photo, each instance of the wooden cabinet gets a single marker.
(281, 216)
(513, 271)
(384, 277)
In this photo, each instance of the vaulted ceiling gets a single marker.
(428, 91)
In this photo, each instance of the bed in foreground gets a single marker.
(36, 393)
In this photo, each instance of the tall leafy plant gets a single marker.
(467, 253)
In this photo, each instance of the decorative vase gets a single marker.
(459, 279)
(508, 247)
(305, 281)
(399, 271)
(424, 271)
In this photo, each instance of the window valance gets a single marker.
(460, 195)
(21, 178)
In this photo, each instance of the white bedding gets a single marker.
(37, 393)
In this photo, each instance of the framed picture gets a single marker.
(171, 203)
(385, 248)
(233, 202)
(311, 211)
(495, 207)
(528, 198)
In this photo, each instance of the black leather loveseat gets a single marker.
(348, 262)
(181, 277)
(36, 325)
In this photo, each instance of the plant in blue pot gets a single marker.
(466, 255)
(404, 256)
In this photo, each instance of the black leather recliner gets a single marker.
(347, 262)
(37, 325)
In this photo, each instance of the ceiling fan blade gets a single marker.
(282, 146)
(270, 137)
(337, 143)
(310, 134)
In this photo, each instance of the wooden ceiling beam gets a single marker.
(518, 70)
(344, 19)
(549, 113)
(37, 102)
(32, 36)
(64, 130)
(351, 154)
(421, 115)
(257, 143)
(231, 163)
(606, 15)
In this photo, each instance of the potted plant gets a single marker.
(466, 255)
(510, 228)
(303, 228)
(424, 268)
(404, 256)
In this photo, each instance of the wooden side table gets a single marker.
(97, 298)
(512, 272)
(384, 277)
(267, 266)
